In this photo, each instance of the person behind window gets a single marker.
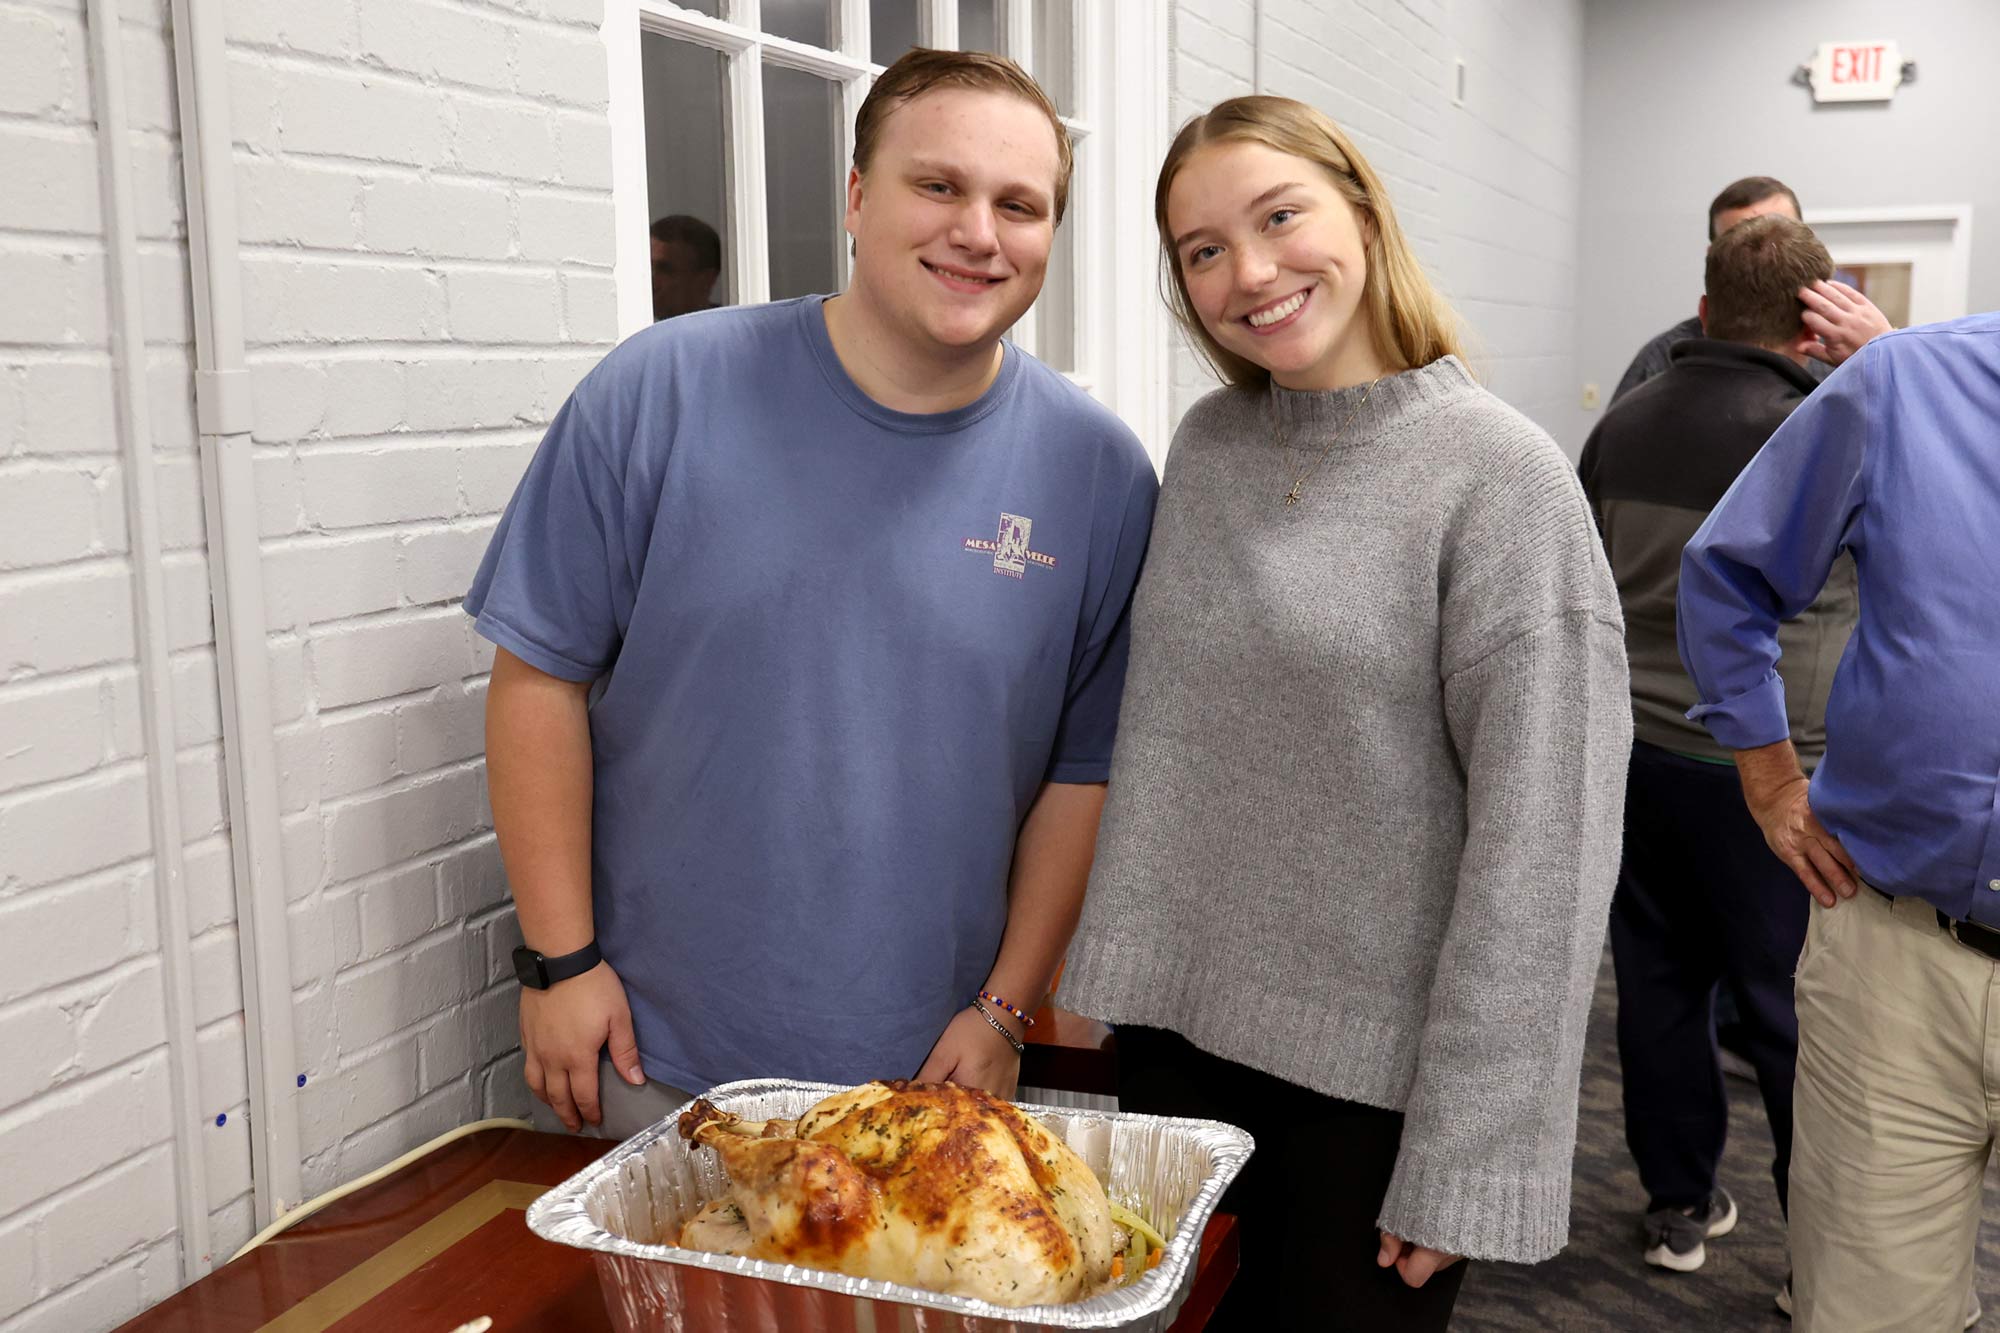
(1896, 832)
(687, 260)
(851, 574)
(1701, 901)
(1363, 823)
(1840, 317)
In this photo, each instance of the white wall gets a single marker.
(426, 227)
(1510, 198)
(1683, 98)
(1488, 191)
(426, 224)
(87, 1188)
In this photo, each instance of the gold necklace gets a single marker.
(1312, 465)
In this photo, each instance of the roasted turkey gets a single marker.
(927, 1184)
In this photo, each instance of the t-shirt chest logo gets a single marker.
(1010, 552)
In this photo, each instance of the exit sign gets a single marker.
(1855, 71)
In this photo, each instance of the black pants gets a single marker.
(1701, 901)
(1306, 1202)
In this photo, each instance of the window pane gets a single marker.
(1055, 334)
(1055, 52)
(801, 181)
(684, 174)
(809, 21)
(892, 29)
(1886, 285)
(712, 8)
(978, 28)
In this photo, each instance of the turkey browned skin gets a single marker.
(927, 1184)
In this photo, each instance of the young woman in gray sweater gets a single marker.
(1363, 822)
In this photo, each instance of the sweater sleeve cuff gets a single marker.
(1516, 1219)
(1748, 720)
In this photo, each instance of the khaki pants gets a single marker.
(625, 1109)
(1898, 1099)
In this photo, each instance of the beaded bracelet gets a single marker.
(999, 1003)
(1020, 1048)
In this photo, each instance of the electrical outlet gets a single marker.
(1590, 397)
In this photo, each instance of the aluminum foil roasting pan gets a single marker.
(1171, 1172)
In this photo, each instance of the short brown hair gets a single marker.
(1746, 192)
(921, 70)
(1412, 324)
(1755, 270)
(691, 231)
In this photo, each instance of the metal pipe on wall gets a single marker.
(128, 351)
(1257, 47)
(236, 586)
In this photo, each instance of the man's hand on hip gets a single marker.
(1841, 317)
(1803, 843)
(1776, 789)
(970, 1053)
(564, 1028)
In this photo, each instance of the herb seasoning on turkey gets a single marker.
(927, 1184)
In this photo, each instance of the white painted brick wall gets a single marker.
(1509, 245)
(420, 305)
(424, 205)
(1214, 58)
(1488, 191)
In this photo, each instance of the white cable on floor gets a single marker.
(311, 1206)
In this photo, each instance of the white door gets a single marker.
(1912, 262)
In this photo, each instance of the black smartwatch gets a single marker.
(539, 973)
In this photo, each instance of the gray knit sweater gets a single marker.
(1365, 808)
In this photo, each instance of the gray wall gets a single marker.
(1487, 190)
(1682, 98)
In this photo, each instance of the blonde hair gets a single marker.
(1412, 324)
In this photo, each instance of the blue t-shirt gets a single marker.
(842, 648)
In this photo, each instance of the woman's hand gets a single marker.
(971, 1054)
(1416, 1263)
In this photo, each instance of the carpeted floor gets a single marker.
(1600, 1281)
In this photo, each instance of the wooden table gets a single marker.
(1070, 1052)
(445, 1240)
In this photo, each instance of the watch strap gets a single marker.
(572, 964)
(539, 973)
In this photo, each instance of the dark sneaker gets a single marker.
(1674, 1236)
(1973, 1312)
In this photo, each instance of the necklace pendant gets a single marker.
(1292, 496)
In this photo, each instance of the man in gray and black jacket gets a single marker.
(1840, 317)
(1701, 900)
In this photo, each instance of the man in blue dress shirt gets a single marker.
(1896, 460)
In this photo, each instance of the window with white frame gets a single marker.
(738, 114)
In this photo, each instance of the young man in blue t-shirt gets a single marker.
(847, 582)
